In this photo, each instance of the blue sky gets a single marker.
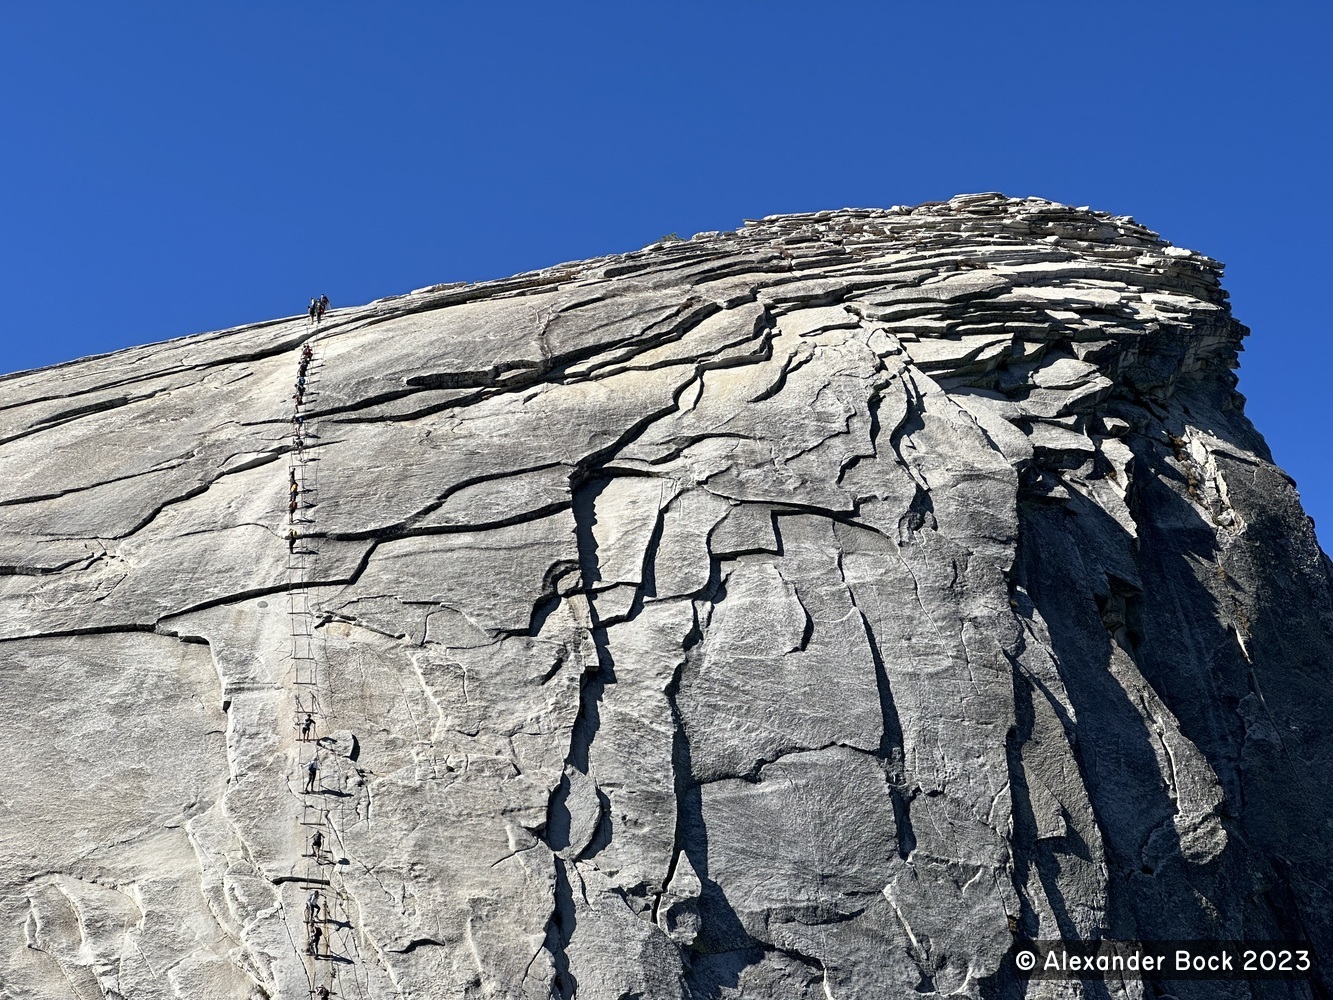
(174, 168)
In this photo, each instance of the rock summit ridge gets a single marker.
(811, 610)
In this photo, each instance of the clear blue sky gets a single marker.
(169, 168)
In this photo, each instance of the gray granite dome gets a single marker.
(808, 611)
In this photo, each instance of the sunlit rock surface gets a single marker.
(807, 611)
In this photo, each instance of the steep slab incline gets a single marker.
(802, 612)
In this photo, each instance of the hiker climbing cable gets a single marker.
(312, 906)
(317, 845)
(322, 993)
(314, 310)
(307, 727)
(315, 935)
(311, 774)
(291, 509)
(292, 536)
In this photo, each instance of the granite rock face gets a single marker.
(809, 611)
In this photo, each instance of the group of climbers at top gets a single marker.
(318, 307)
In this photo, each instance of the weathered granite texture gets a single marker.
(799, 612)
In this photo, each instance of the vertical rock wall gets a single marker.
(801, 612)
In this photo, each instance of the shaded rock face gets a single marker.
(806, 611)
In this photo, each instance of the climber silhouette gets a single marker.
(307, 726)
